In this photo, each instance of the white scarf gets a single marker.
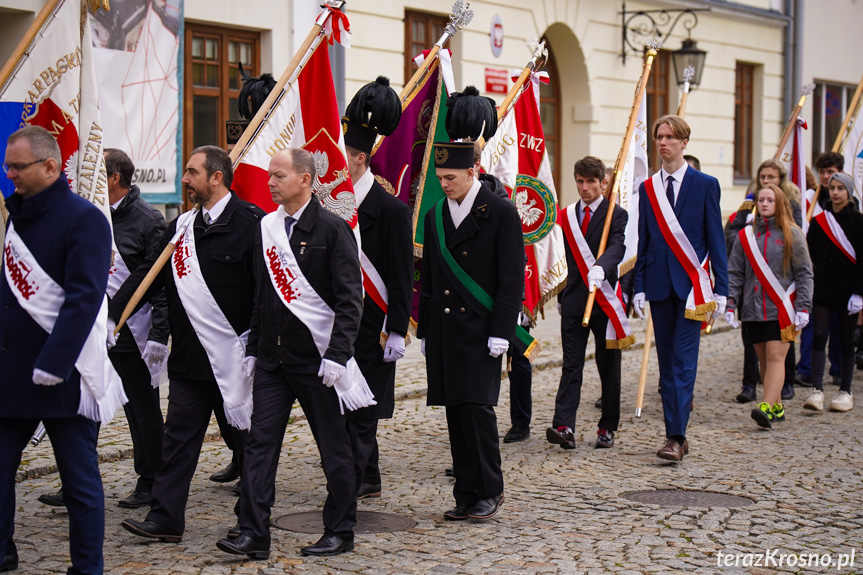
(41, 297)
(301, 299)
(225, 349)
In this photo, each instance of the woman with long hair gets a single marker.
(770, 276)
(835, 242)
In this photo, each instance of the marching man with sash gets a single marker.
(472, 284)
(308, 305)
(387, 264)
(209, 286)
(582, 224)
(53, 329)
(679, 230)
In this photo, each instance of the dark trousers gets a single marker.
(364, 443)
(751, 375)
(74, 442)
(144, 415)
(834, 352)
(574, 339)
(520, 379)
(677, 341)
(475, 452)
(235, 439)
(822, 323)
(190, 406)
(274, 395)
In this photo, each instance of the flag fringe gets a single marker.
(533, 350)
(701, 312)
(542, 301)
(620, 343)
(626, 267)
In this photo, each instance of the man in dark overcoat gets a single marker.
(387, 261)
(70, 240)
(463, 340)
(224, 234)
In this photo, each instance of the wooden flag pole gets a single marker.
(24, 44)
(460, 16)
(540, 55)
(792, 120)
(618, 166)
(837, 144)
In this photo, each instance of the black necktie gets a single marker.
(669, 190)
(289, 225)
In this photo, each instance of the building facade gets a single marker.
(759, 52)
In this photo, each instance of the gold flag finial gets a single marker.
(95, 5)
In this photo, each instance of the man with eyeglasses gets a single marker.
(56, 257)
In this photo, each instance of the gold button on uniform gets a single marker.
(446, 310)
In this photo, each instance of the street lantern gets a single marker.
(688, 55)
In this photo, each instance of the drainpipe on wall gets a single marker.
(798, 45)
(790, 54)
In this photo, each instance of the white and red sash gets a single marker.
(618, 334)
(225, 349)
(699, 303)
(301, 299)
(41, 297)
(783, 299)
(834, 231)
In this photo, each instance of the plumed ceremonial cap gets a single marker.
(453, 155)
(470, 116)
(253, 93)
(375, 109)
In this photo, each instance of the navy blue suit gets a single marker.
(71, 240)
(666, 286)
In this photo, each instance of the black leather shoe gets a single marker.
(517, 433)
(746, 395)
(561, 436)
(228, 474)
(598, 403)
(234, 532)
(10, 562)
(152, 530)
(53, 499)
(136, 499)
(368, 490)
(458, 513)
(486, 508)
(604, 438)
(787, 391)
(329, 545)
(449, 472)
(244, 545)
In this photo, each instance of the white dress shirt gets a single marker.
(363, 185)
(217, 209)
(678, 179)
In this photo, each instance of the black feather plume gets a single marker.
(376, 106)
(253, 93)
(470, 116)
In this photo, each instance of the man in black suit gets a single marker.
(308, 305)
(463, 340)
(387, 262)
(591, 212)
(202, 366)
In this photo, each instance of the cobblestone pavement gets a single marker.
(564, 510)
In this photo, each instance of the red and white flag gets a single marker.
(633, 174)
(794, 159)
(305, 115)
(54, 86)
(517, 156)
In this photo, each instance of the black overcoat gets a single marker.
(385, 233)
(489, 246)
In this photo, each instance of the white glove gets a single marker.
(721, 302)
(523, 319)
(154, 353)
(855, 304)
(331, 372)
(802, 320)
(44, 378)
(497, 346)
(423, 346)
(110, 338)
(559, 309)
(750, 217)
(595, 277)
(249, 365)
(394, 349)
(638, 304)
(625, 300)
(729, 319)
